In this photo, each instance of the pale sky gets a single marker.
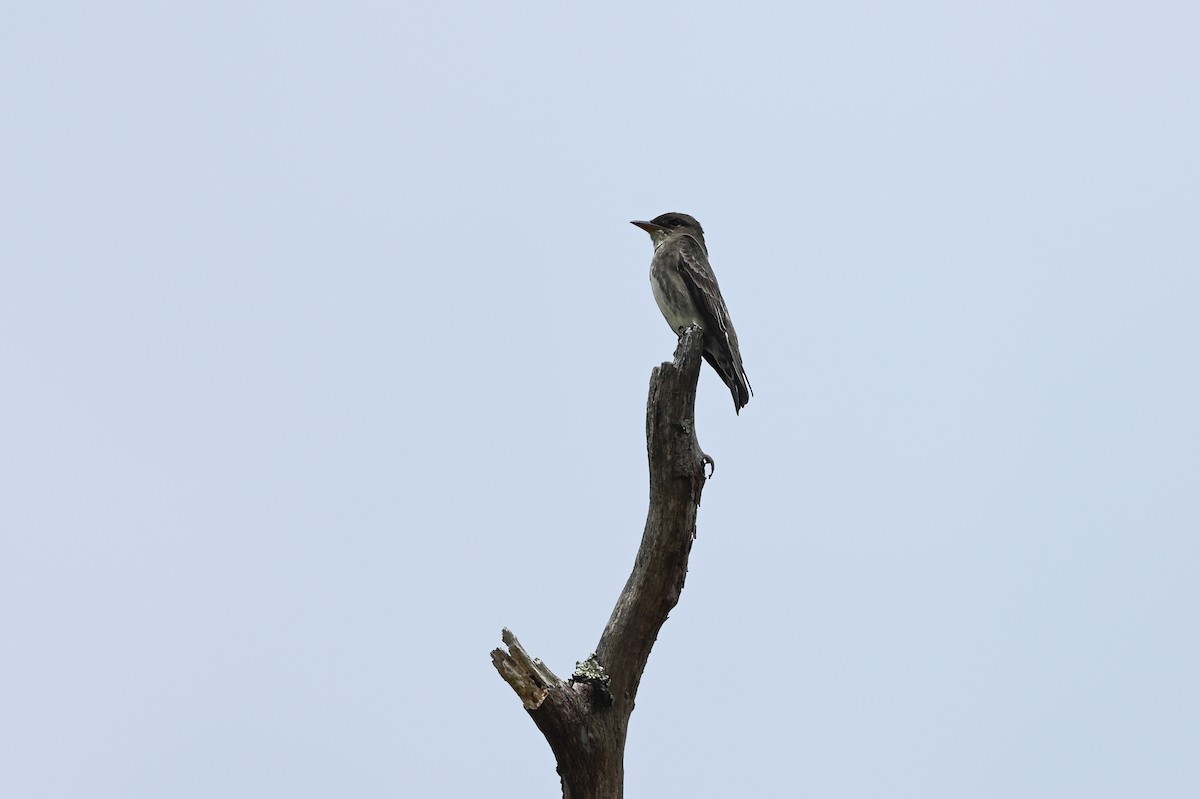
(325, 343)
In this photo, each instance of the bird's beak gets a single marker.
(649, 227)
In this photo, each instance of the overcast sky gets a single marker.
(325, 343)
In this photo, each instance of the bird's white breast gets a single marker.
(673, 298)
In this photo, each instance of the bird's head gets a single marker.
(664, 226)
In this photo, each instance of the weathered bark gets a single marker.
(585, 718)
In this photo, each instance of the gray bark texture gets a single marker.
(585, 717)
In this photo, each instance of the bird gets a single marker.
(687, 293)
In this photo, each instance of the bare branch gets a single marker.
(528, 676)
(585, 718)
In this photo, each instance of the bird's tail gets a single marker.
(733, 375)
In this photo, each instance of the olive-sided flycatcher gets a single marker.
(687, 294)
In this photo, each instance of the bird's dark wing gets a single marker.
(722, 351)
